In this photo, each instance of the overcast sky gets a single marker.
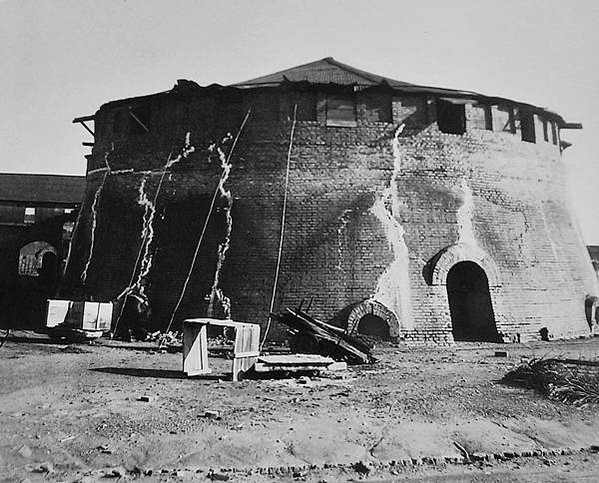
(64, 58)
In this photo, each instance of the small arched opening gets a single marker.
(470, 305)
(372, 318)
(373, 325)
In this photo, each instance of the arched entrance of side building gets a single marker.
(470, 306)
(37, 279)
(470, 277)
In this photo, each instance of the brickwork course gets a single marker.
(394, 190)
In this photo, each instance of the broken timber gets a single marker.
(312, 335)
(293, 363)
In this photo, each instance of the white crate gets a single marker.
(91, 316)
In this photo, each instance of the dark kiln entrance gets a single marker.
(470, 304)
(373, 325)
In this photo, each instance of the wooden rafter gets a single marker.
(82, 120)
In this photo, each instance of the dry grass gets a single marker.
(563, 381)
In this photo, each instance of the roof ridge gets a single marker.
(360, 73)
(360, 76)
(326, 59)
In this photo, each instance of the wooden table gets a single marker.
(246, 348)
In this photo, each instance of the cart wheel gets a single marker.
(304, 343)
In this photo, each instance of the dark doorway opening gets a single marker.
(373, 325)
(48, 273)
(470, 304)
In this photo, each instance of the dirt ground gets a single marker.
(72, 412)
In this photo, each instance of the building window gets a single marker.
(451, 118)
(341, 110)
(378, 107)
(11, 214)
(527, 126)
(545, 130)
(29, 215)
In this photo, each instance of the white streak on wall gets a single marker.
(98, 170)
(465, 215)
(147, 233)
(187, 150)
(393, 287)
(94, 213)
(216, 294)
(147, 236)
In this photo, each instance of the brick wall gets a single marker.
(335, 249)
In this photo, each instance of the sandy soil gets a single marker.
(73, 413)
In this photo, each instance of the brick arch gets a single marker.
(373, 307)
(31, 257)
(461, 252)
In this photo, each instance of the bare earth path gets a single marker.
(71, 413)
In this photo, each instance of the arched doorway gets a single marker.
(373, 325)
(472, 316)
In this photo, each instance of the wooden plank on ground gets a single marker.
(260, 367)
(296, 359)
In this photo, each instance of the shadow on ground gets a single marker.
(157, 373)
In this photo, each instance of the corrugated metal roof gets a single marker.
(332, 72)
(41, 188)
(324, 71)
(329, 71)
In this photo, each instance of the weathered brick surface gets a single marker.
(335, 248)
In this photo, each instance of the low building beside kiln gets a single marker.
(37, 215)
(421, 213)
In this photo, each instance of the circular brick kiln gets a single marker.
(432, 213)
